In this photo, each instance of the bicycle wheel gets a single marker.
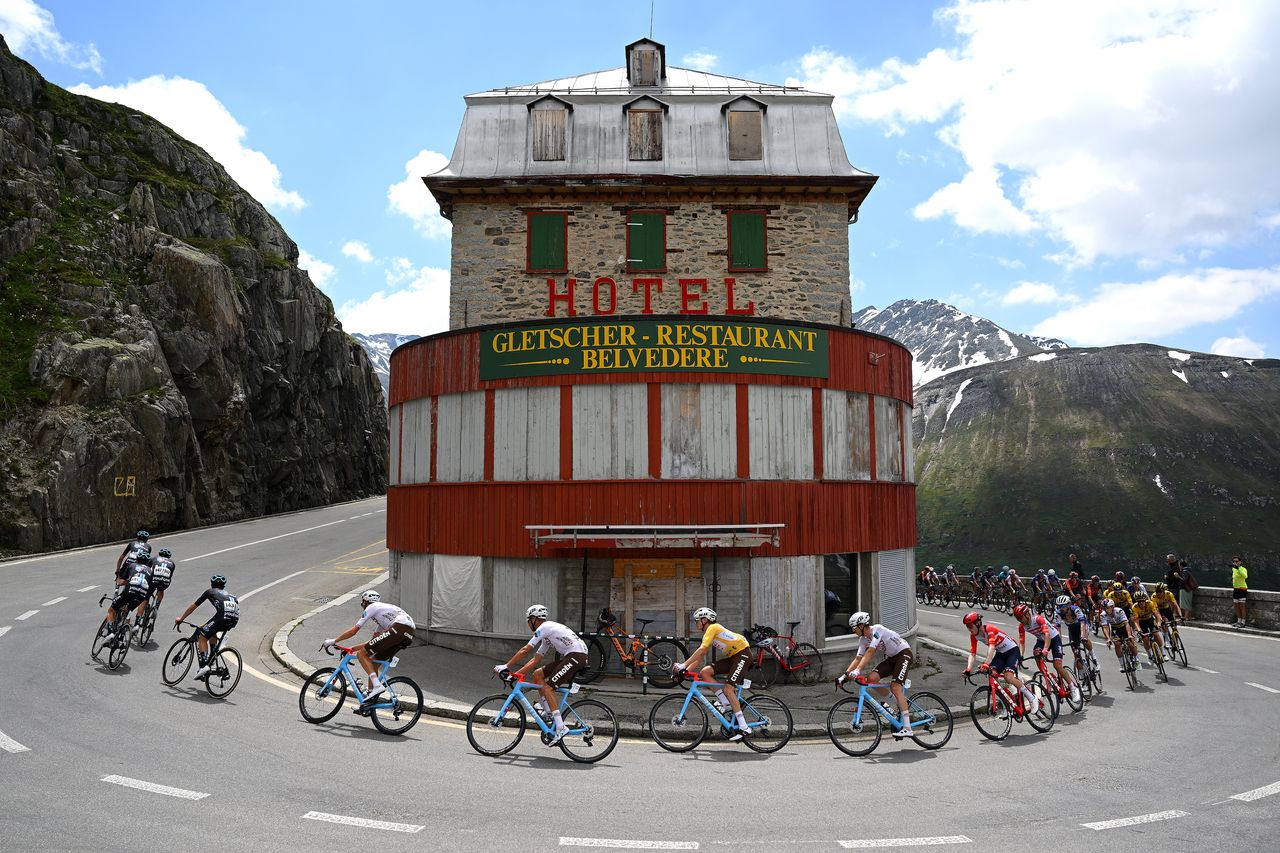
(320, 698)
(100, 640)
(805, 664)
(406, 706)
(493, 731)
(1095, 677)
(1158, 656)
(930, 720)
(955, 601)
(1179, 650)
(856, 738)
(1043, 720)
(663, 656)
(593, 731)
(224, 673)
(970, 599)
(776, 724)
(991, 715)
(1049, 690)
(1076, 705)
(177, 661)
(768, 670)
(920, 596)
(674, 731)
(120, 649)
(597, 659)
(148, 626)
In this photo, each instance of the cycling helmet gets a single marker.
(370, 597)
(1064, 600)
(1021, 612)
(1096, 579)
(1161, 587)
(1052, 573)
(142, 535)
(165, 552)
(1106, 602)
(1074, 576)
(704, 613)
(1006, 568)
(218, 581)
(950, 567)
(1120, 576)
(1117, 585)
(1171, 556)
(859, 618)
(536, 611)
(1140, 595)
(972, 618)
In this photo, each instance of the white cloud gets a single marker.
(701, 60)
(1242, 346)
(321, 273)
(358, 250)
(411, 198)
(1011, 263)
(1036, 293)
(27, 26)
(1153, 310)
(1129, 128)
(193, 112)
(399, 270)
(421, 308)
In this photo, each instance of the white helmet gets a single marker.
(859, 618)
(370, 597)
(536, 611)
(1064, 600)
(704, 613)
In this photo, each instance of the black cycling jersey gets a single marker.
(224, 602)
(162, 570)
(138, 562)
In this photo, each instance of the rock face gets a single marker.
(1120, 455)
(164, 362)
(943, 339)
(379, 348)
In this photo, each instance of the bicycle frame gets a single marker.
(697, 685)
(344, 667)
(637, 652)
(519, 685)
(215, 644)
(881, 706)
(998, 685)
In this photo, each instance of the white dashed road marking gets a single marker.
(1202, 669)
(260, 541)
(55, 601)
(265, 586)
(1258, 793)
(865, 843)
(5, 630)
(627, 843)
(1250, 683)
(86, 589)
(363, 822)
(1134, 821)
(154, 788)
(28, 615)
(8, 744)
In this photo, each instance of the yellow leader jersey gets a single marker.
(725, 641)
(1165, 600)
(1144, 609)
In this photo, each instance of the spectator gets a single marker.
(1075, 565)
(1173, 577)
(1187, 590)
(1239, 591)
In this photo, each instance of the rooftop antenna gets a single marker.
(651, 2)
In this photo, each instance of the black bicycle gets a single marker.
(113, 637)
(225, 664)
(145, 625)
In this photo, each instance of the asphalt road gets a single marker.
(266, 780)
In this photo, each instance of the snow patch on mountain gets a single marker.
(1047, 343)
(956, 401)
(1044, 356)
(379, 348)
(1179, 356)
(1180, 375)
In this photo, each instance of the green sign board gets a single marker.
(642, 345)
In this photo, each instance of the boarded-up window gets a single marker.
(548, 133)
(744, 135)
(644, 140)
(644, 67)
(547, 238)
(646, 242)
(747, 241)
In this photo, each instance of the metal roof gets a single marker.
(677, 81)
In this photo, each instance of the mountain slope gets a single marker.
(1120, 454)
(163, 360)
(379, 348)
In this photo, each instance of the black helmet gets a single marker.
(218, 581)
(165, 552)
(143, 535)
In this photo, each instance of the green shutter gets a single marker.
(546, 242)
(746, 240)
(647, 242)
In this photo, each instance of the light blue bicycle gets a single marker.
(498, 722)
(856, 723)
(680, 722)
(394, 713)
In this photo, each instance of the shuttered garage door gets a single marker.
(895, 569)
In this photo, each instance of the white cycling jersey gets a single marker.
(558, 638)
(384, 616)
(882, 637)
(1115, 617)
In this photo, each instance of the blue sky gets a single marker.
(1100, 172)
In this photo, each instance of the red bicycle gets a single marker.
(994, 707)
(780, 656)
(1056, 686)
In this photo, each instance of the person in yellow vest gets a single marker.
(1239, 591)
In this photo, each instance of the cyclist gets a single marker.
(393, 630)
(1146, 614)
(1048, 641)
(1003, 656)
(1093, 595)
(1167, 602)
(138, 554)
(1121, 597)
(138, 545)
(931, 579)
(950, 581)
(1134, 584)
(1074, 586)
(733, 665)
(976, 582)
(896, 663)
(1013, 583)
(225, 617)
(1073, 616)
(1116, 627)
(131, 590)
(161, 576)
(1039, 587)
(1055, 583)
(552, 637)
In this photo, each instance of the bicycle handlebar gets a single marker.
(344, 649)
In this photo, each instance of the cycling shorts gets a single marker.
(216, 624)
(1055, 646)
(127, 598)
(1167, 614)
(1006, 661)
(1074, 633)
(160, 583)
(561, 672)
(386, 643)
(1147, 625)
(895, 668)
(733, 667)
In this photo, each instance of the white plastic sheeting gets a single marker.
(457, 593)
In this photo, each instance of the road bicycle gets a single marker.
(1177, 651)
(679, 722)
(998, 599)
(225, 664)
(145, 625)
(951, 595)
(112, 636)
(855, 724)
(1155, 653)
(393, 712)
(498, 722)
(777, 655)
(995, 706)
(1056, 686)
(1128, 660)
(655, 658)
(1088, 674)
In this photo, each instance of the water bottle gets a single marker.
(542, 712)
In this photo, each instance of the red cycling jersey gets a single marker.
(991, 636)
(1040, 627)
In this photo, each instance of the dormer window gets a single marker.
(745, 120)
(549, 122)
(645, 63)
(644, 129)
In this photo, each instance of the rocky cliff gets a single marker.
(1120, 454)
(163, 361)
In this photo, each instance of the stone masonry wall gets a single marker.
(808, 246)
